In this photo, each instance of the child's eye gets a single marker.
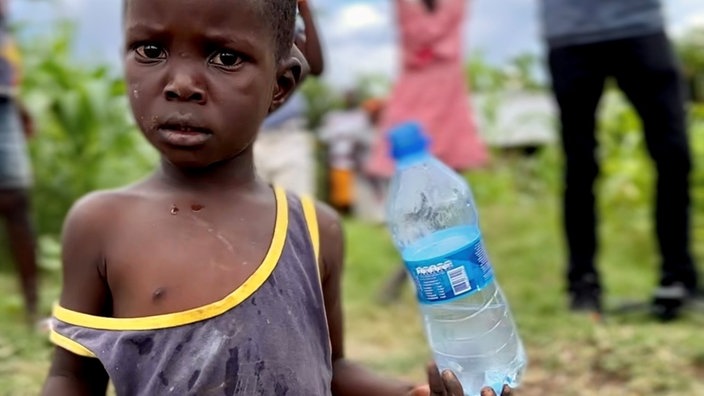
(151, 51)
(226, 58)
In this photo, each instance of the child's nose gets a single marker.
(184, 87)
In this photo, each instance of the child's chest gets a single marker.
(184, 257)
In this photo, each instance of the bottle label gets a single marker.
(461, 273)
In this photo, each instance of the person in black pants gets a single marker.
(637, 54)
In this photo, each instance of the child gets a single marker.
(344, 131)
(371, 190)
(202, 279)
(284, 152)
(16, 127)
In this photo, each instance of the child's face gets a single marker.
(200, 76)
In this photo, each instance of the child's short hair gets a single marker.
(279, 14)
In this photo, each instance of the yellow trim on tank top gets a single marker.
(207, 311)
(69, 344)
(309, 213)
(312, 221)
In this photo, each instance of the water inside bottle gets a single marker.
(472, 333)
(476, 339)
(441, 243)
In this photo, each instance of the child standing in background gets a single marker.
(285, 148)
(370, 189)
(345, 133)
(16, 127)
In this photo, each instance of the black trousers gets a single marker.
(646, 70)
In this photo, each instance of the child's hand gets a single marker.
(26, 121)
(447, 384)
(303, 4)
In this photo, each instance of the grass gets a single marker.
(628, 354)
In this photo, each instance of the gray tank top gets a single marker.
(575, 22)
(268, 337)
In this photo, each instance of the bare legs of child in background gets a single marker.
(14, 208)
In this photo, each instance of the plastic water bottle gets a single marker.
(433, 220)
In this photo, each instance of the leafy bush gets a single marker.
(86, 138)
(690, 49)
(627, 171)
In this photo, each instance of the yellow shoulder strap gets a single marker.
(70, 345)
(312, 222)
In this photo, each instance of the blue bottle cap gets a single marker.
(407, 138)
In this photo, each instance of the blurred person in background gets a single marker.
(432, 90)
(15, 169)
(370, 190)
(588, 42)
(345, 133)
(284, 150)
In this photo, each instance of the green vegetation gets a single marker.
(85, 130)
(86, 141)
(691, 51)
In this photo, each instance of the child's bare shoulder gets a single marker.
(331, 238)
(328, 219)
(97, 210)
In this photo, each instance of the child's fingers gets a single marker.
(447, 384)
(422, 390)
(452, 384)
(435, 380)
(487, 391)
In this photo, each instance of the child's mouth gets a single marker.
(184, 135)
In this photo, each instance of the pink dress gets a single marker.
(431, 89)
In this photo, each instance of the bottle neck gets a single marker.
(412, 159)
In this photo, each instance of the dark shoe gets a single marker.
(668, 301)
(585, 297)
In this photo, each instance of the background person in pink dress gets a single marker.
(431, 88)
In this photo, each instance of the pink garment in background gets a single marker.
(431, 88)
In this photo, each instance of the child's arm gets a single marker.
(84, 290)
(306, 49)
(310, 48)
(350, 379)
(73, 375)
(25, 119)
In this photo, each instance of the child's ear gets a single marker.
(289, 75)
